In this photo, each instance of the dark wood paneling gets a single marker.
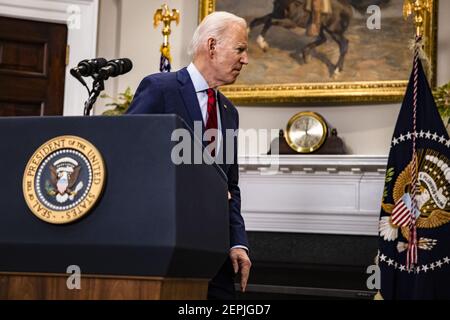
(22, 57)
(32, 66)
(10, 109)
(54, 287)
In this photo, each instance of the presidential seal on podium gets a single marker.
(63, 179)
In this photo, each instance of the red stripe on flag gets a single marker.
(401, 215)
(405, 221)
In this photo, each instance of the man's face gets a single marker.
(230, 55)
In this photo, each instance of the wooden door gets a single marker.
(32, 67)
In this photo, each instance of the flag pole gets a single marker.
(418, 8)
(166, 16)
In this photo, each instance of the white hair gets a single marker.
(213, 26)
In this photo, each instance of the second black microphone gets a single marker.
(116, 68)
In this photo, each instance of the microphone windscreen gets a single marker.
(101, 62)
(88, 67)
(128, 65)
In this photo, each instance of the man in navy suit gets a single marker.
(219, 51)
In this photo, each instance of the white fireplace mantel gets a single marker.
(327, 194)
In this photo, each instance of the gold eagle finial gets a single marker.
(418, 8)
(166, 16)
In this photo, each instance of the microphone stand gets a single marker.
(98, 86)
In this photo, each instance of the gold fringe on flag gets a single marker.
(420, 47)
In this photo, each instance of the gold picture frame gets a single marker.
(349, 92)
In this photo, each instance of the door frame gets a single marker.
(82, 40)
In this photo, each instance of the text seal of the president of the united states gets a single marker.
(63, 179)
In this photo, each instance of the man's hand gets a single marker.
(242, 264)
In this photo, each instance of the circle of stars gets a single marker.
(39, 174)
(418, 269)
(433, 137)
(423, 135)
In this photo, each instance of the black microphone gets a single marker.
(88, 67)
(116, 68)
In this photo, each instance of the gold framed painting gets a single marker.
(352, 60)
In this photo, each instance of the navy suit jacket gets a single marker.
(174, 93)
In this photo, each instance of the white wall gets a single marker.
(126, 30)
(443, 59)
(108, 40)
(366, 129)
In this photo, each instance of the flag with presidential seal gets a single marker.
(414, 228)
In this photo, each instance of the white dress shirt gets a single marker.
(200, 86)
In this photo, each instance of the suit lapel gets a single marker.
(225, 125)
(191, 104)
(189, 96)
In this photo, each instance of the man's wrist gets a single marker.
(239, 247)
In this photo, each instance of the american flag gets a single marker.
(401, 215)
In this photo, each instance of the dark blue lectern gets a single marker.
(158, 230)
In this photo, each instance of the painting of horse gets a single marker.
(346, 49)
(294, 13)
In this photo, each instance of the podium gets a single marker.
(158, 230)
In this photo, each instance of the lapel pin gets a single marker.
(225, 106)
